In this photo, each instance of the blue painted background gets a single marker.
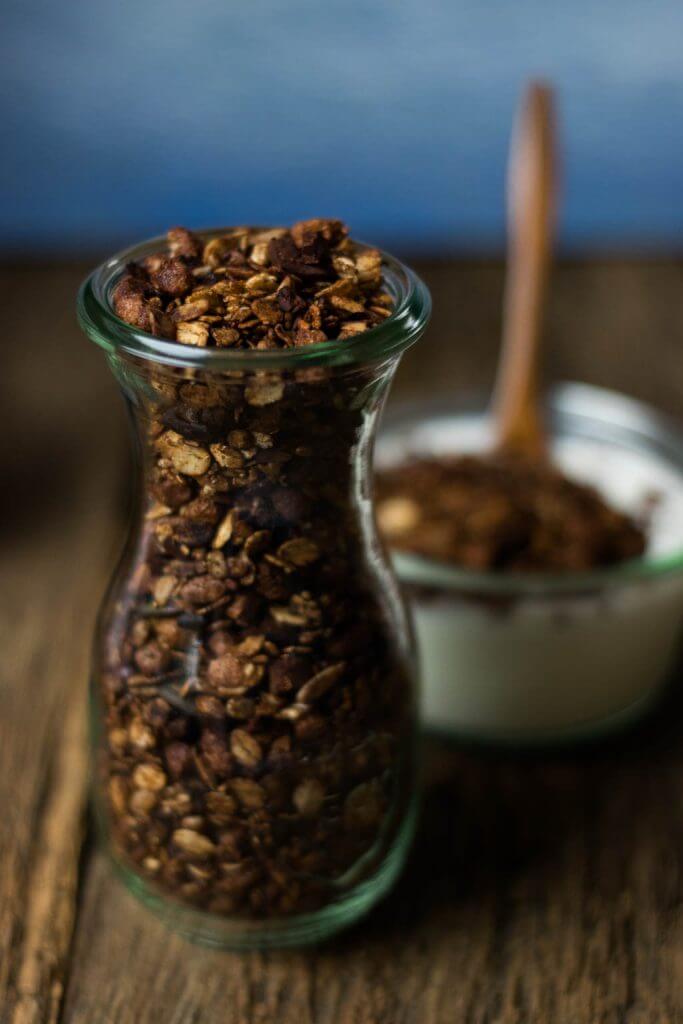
(122, 116)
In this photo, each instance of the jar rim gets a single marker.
(101, 324)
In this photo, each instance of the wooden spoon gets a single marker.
(518, 423)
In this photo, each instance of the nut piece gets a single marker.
(186, 456)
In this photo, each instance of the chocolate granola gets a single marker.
(255, 289)
(258, 711)
(501, 512)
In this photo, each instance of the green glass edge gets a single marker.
(415, 570)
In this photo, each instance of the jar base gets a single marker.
(216, 932)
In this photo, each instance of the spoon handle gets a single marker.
(531, 210)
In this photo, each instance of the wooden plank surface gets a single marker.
(541, 889)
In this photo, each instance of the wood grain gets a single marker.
(545, 889)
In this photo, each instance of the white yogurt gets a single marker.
(542, 666)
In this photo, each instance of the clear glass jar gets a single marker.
(253, 691)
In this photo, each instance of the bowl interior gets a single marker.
(629, 452)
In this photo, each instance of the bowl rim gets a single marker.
(622, 417)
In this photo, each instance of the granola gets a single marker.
(501, 512)
(257, 705)
(255, 289)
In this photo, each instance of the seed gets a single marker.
(308, 797)
(177, 804)
(163, 588)
(221, 807)
(248, 792)
(224, 531)
(287, 617)
(363, 806)
(193, 821)
(251, 645)
(149, 776)
(190, 311)
(299, 551)
(261, 284)
(246, 749)
(141, 802)
(141, 736)
(118, 794)
(320, 683)
(118, 738)
(193, 843)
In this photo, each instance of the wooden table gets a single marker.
(541, 889)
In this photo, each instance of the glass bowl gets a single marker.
(538, 658)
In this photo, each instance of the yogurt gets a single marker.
(521, 659)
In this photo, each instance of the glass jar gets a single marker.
(253, 695)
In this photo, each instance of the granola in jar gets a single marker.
(254, 664)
